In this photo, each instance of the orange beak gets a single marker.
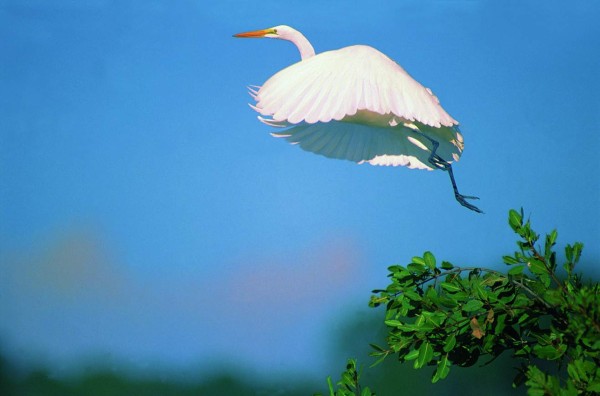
(255, 33)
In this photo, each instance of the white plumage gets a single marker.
(336, 84)
(357, 104)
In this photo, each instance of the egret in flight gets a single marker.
(357, 104)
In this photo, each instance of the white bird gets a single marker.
(355, 103)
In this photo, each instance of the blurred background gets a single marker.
(155, 239)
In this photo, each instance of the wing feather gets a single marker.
(377, 146)
(335, 84)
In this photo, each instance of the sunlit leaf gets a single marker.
(451, 287)
(429, 259)
(515, 220)
(442, 370)
(418, 260)
(393, 323)
(425, 355)
(481, 293)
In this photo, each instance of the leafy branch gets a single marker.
(349, 384)
(444, 315)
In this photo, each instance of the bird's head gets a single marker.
(279, 32)
(283, 32)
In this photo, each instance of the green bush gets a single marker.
(440, 315)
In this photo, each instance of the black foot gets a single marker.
(462, 199)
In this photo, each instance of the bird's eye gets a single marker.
(275, 31)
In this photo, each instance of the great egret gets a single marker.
(355, 103)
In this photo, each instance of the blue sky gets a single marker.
(147, 216)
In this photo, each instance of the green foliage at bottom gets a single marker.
(441, 315)
(349, 384)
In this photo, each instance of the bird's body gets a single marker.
(355, 103)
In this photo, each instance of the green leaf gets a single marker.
(418, 260)
(381, 359)
(549, 352)
(442, 370)
(396, 268)
(377, 347)
(393, 323)
(500, 322)
(436, 318)
(450, 287)
(420, 320)
(413, 295)
(447, 302)
(552, 237)
(446, 265)
(577, 249)
(594, 387)
(472, 305)
(431, 294)
(516, 270)
(347, 380)
(330, 384)
(412, 355)
(537, 267)
(460, 296)
(429, 260)
(515, 220)
(416, 268)
(402, 275)
(449, 343)
(545, 279)
(398, 343)
(481, 293)
(568, 266)
(425, 355)
(575, 372)
(510, 260)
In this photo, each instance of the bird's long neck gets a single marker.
(304, 46)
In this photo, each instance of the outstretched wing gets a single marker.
(337, 84)
(392, 146)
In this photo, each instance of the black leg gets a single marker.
(439, 163)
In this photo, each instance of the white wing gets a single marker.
(392, 146)
(336, 84)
